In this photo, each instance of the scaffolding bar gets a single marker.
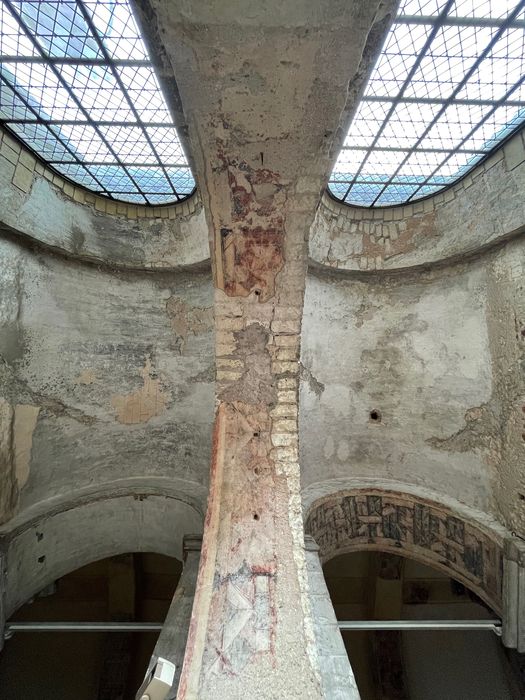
(345, 625)
(491, 625)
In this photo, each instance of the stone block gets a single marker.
(284, 439)
(284, 425)
(225, 323)
(23, 178)
(286, 340)
(227, 376)
(286, 325)
(284, 454)
(27, 159)
(287, 353)
(287, 396)
(283, 367)
(285, 410)
(287, 383)
(223, 337)
(514, 152)
(79, 195)
(8, 153)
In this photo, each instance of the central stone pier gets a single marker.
(265, 91)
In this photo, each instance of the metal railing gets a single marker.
(344, 625)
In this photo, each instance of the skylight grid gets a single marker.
(447, 89)
(78, 88)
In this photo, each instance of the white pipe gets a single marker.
(346, 625)
(492, 625)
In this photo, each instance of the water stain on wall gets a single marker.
(145, 403)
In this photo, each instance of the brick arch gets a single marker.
(413, 527)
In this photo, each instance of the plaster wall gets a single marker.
(506, 328)
(416, 350)
(50, 547)
(439, 355)
(112, 378)
(483, 208)
(43, 207)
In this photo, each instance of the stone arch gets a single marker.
(413, 527)
(59, 542)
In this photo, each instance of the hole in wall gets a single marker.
(375, 416)
(256, 516)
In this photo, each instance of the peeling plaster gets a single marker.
(25, 419)
(186, 319)
(9, 490)
(313, 384)
(17, 425)
(481, 429)
(142, 405)
(87, 376)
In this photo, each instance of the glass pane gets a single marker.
(88, 102)
(445, 91)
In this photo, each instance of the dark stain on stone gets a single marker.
(12, 342)
(313, 384)
(255, 386)
(252, 259)
(207, 376)
(77, 239)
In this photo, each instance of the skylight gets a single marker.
(447, 89)
(78, 88)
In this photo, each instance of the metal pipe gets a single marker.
(492, 625)
(461, 21)
(346, 625)
(83, 627)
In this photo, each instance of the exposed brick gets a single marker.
(284, 439)
(284, 425)
(289, 354)
(287, 383)
(225, 349)
(285, 410)
(282, 367)
(224, 363)
(227, 376)
(224, 338)
(288, 312)
(285, 454)
(287, 396)
(230, 324)
(286, 340)
(286, 326)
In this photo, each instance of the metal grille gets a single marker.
(447, 89)
(78, 88)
